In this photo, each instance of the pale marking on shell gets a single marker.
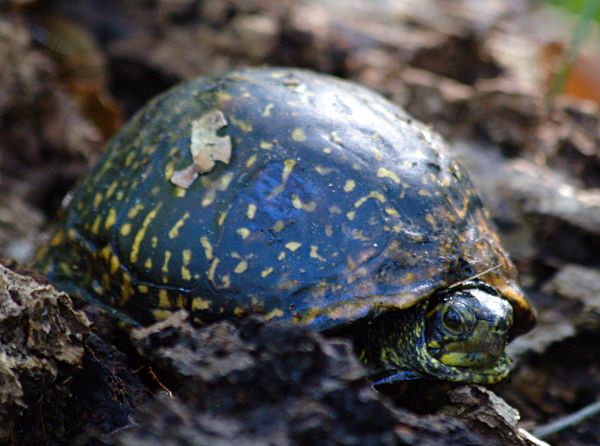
(349, 185)
(298, 135)
(200, 304)
(273, 314)
(265, 272)
(251, 211)
(314, 253)
(206, 147)
(293, 246)
(186, 255)
(174, 231)
(125, 229)
(373, 194)
(267, 110)
(139, 236)
(165, 267)
(208, 249)
(265, 145)
(298, 204)
(243, 232)
(241, 267)
(210, 274)
(382, 172)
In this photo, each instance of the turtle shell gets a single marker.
(332, 205)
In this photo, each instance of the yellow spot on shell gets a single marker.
(431, 221)
(281, 256)
(242, 125)
(223, 96)
(97, 199)
(238, 311)
(278, 226)
(323, 170)
(382, 172)
(392, 212)
(328, 230)
(143, 289)
(129, 158)
(267, 110)
(265, 272)
(335, 138)
(298, 135)
(163, 299)
(96, 225)
(350, 215)
(373, 194)
(174, 232)
(106, 252)
(111, 218)
(134, 211)
(273, 314)
(154, 241)
(251, 212)
(293, 246)
(243, 232)
(200, 304)
(111, 189)
(221, 184)
(126, 289)
(114, 264)
(226, 281)
(377, 153)
(57, 239)
(327, 150)
(222, 217)
(120, 195)
(208, 249)
(186, 255)
(288, 166)
(139, 236)
(180, 192)
(298, 204)
(169, 170)
(241, 267)
(165, 267)
(349, 185)
(125, 229)
(148, 263)
(266, 145)
(250, 162)
(424, 193)
(210, 274)
(314, 253)
(335, 209)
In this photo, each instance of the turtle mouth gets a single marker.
(481, 350)
(486, 375)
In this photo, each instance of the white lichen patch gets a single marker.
(207, 147)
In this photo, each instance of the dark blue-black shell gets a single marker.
(334, 205)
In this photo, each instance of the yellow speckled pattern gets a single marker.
(335, 205)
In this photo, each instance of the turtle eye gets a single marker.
(452, 320)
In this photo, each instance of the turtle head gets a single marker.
(468, 326)
(459, 334)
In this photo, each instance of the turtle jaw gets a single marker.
(480, 350)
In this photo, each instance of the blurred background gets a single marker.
(514, 86)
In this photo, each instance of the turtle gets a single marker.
(303, 198)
